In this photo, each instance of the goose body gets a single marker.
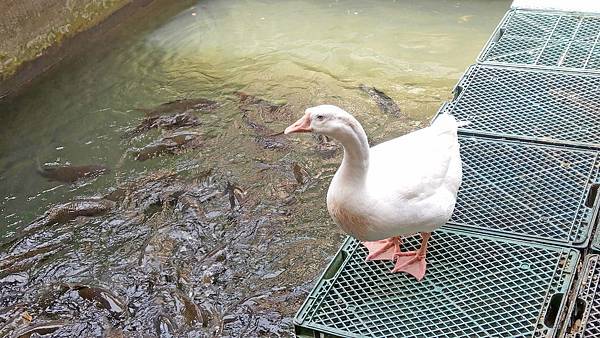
(400, 187)
(410, 185)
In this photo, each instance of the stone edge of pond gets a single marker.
(104, 26)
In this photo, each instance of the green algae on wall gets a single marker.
(29, 27)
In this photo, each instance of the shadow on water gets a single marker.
(148, 191)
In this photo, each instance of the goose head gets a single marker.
(327, 120)
(338, 124)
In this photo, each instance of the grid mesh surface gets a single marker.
(587, 291)
(566, 40)
(526, 190)
(475, 286)
(595, 245)
(549, 106)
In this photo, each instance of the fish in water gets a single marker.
(165, 326)
(249, 102)
(177, 120)
(170, 144)
(102, 297)
(66, 212)
(384, 102)
(39, 329)
(71, 173)
(235, 194)
(299, 173)
(266, 137)
(181, 105)
(324, 146)
(190, 311)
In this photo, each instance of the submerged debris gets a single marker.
(384, 102)
(180, 106)
(71, 173)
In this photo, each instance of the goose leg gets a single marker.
(384, 249)
(413, 262)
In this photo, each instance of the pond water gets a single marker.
(186, 258)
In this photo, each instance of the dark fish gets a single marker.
(385, 103)
(115, 194)
(325, 147)
(50, 293)
(165, 326)
(103, 298)
(298, 173)
(190, 310)
(11, 317)
(71, 173)
(249, 102)
(235, 193)
(182, 105)
(154, 150)
(66, 212)
(264, 135)
(170, 144)
(24, 260)
(39, 329)
(178, 120)
(183, 138)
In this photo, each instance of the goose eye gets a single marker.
(320, 117)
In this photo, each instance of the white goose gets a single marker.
(400, 187)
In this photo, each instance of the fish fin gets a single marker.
(38, 166)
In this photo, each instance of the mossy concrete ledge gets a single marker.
(35, 35)
(29, 27)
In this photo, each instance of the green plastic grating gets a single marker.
(530, 104)
(556, 40)
(583, 318)
(526, 190)
(595, 246)
(475, 286)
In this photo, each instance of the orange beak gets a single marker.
(300, 126)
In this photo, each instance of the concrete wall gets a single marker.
(29, 27)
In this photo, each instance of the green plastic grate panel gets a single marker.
(531, 104)
(475, 286)
(595, 246)
(583, 318)
(549, 39)
(526, 190)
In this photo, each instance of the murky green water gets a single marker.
(300, 53)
